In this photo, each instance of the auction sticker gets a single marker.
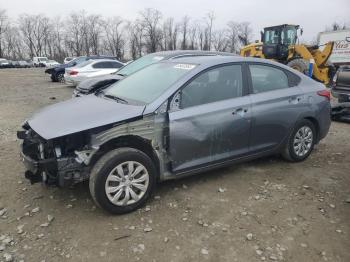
(185, 66)
(158, 58)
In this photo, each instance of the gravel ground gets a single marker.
(261, 210)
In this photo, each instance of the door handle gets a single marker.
(240, 111)
(294, 100)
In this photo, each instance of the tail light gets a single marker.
(73, 73)
(325, 93)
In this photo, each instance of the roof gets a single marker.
(207, 61)
(282, 25)
(178, 53)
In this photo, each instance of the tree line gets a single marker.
(81, 33)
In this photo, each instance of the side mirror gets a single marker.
(301, 31)
(261, 36)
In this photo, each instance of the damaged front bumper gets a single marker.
(43, 162)
(35, 169)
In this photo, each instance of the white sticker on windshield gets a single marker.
(185, 66)
(158, 58)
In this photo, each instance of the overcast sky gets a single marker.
(312, 15)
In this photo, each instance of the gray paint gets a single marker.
(79, 114)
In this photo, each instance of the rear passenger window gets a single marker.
(101, 65)
(214, 85)
(267, 78)
(115, 65)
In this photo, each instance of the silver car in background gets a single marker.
(174, 118)
(91, 68)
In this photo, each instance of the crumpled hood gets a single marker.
(79, 114)
(90, 83)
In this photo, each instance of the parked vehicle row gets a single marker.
(36, 62)
(4, 63)
(168, 115)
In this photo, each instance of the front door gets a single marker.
(212, 123)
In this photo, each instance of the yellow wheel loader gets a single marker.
(281, 44)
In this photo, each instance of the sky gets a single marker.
(312, 15)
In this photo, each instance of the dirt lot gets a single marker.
(262, 210)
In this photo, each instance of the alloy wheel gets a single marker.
(127, 183)
(303, 140)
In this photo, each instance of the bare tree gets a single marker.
(115, 39)
(244, 33)
(219, 40)
(136, 30)
(335, 26)
(208, 31)
(184, 30)
(232, 35)
(83, 33)
(193, 35)
(4, 25)
(150, 19)
(74, 35)
(13, 47)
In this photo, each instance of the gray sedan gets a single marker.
(171, 119)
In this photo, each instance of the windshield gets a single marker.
(149, 83)
(288, 36)
(271, 37)
(139, 63)
(76, 61)
(43, 59)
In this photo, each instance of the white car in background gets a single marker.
(52, 63)
(91, 68)
(40, 61)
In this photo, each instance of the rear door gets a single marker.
(212, 121)
(277, 101)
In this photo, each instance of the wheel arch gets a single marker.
(314, 121)
(132, 141)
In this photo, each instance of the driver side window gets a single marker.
(214, 85)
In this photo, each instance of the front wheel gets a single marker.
(300, 65)
(122, 180)
(301, 142)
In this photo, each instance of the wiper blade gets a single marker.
(116, 98)
(120, 74)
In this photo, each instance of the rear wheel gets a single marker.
(60, 77)
(300, 65)
(122, 180)
(301, 142)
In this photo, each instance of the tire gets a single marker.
(300, 65)
(53, 78)
(60, 77)
(106, 172)
(290, 152)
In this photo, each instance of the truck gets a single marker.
(340, 58)
(340, 55)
